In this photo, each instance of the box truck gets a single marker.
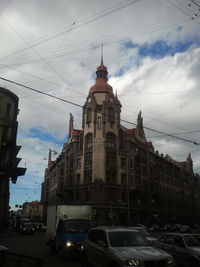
(66, 228)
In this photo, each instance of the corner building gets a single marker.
(117, 171)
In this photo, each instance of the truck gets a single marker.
(67, 226)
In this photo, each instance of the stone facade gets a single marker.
(117, 171)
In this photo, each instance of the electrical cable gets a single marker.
(98, 15)
(77, 105)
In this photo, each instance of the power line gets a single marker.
(95, 44)
(77, 105)
(198, 131)
(100, 14)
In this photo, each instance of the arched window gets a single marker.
(89, 116)
(110, 140)
(88, 141)
(111, 115)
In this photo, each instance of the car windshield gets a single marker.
(192, 240)
(77, 225)
(127, 239)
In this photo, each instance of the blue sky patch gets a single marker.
(42, 135)
(160, 48)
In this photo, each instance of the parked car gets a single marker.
(145, 233)
(185, 248)
(28, 228)
(154, 228)
(121, 246)
(2, 253)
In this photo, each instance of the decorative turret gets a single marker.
(189, 163)
(139, 129)
(101, 84)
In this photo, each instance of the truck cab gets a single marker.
(70, 235)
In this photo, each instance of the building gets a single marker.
(8, 150)
(117, 171)
(34, 210)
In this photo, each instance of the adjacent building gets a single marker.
(8, 150)
(117, 171)
(34, 210)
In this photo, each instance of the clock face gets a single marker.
(89, 99)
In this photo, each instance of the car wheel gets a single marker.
(194, 262)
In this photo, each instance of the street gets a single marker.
(35, 246)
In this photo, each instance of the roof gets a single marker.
(101, 85)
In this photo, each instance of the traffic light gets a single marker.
(16, 171)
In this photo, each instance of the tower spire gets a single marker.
(101, 53)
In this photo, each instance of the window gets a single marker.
(88, 141)
(99, 123)
(111, 115)
(78, 179)
(78, 163)
(123, 178)
(110, 140)
(8, 108)
(89, 116)
(123, 163)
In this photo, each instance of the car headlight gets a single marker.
(69, 244)
(170, 260)
(132, 262)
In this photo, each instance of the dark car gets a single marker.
(28, 228)
(120, 247)
(185, 248)
(2, 254)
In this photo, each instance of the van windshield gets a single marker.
(78, 225)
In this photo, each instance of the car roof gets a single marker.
(180, 234)
(113, 228)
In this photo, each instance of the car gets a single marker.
(2, 254)
(154, 228)
(119, 247)
(184, 247)
(28, 228)
(145, 233)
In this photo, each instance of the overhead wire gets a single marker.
(98, 15)
(43, 59)
(77, 105)
(110, 40)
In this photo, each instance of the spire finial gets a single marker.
(101, 53)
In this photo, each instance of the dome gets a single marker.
(101, 85)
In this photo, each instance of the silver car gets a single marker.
(120, 247)
(185, 248)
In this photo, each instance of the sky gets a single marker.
(150, 47)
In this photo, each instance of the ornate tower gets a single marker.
(101, 122)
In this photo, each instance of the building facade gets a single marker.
(34, 210)
(8, 150)
(117, 171)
